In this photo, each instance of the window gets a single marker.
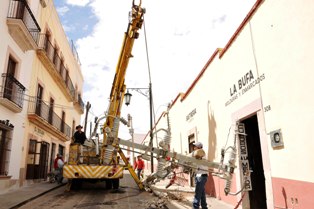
(53, 154)
(39, 97)
(62, 121)
(5, 150)
(67, 78)
(37, 159)
(56, 58)
(20, 10)
(61, 150)
(32, 147)
(191, 139)
(9, 82)
(47, 42)
(51, 106)
(62, 68)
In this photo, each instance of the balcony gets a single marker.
(11, 93)
(79, 104)
(44, 117)
(55, 66)
(22, 25)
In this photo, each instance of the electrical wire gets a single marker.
(257, 71)
(33, 99)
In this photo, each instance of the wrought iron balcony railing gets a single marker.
(41, 109)
(12, 89)
(54, 58)
(19, 9)
(80, 101)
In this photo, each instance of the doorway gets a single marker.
(37, 160)
(191, 140)
(257, 196)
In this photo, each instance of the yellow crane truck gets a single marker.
(98, 162)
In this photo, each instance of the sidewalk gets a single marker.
(17, 197)
(188, 194)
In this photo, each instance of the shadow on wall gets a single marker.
(284, 196)
(212, 137)
(212, 144)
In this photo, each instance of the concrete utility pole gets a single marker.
(88, 106)
(131, 131)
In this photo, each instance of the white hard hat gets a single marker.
(198, 144)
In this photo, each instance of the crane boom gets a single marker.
(118, 86)
(84, 160)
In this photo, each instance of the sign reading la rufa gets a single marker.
(243, 85)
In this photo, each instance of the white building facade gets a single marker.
(41, 91)
(16, 57)
(263, 79)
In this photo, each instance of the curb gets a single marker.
(172, 189)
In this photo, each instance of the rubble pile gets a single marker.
(175, 196)
(159, 203)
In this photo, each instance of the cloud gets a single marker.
(68, 28)
(62, 10)
(80, 3)
(180, 40)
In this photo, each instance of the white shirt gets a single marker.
(60, 163)
(201, 169)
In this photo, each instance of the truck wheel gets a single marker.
(76, 184)
(108, 184)
(115, 183)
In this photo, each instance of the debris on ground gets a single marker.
(163, 198)
(159, 203)
(175, 196)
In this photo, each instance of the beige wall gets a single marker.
(48, 20)
(275, 46)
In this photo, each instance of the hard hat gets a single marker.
(198, 144)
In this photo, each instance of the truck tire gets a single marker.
(108, 184)
(115, 183)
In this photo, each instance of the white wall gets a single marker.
(9, 46)
(273, 53)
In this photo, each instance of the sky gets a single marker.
(180, 35)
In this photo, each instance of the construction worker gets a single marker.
(139, 164)
(79, 135)
(58, 166)
(201, 175)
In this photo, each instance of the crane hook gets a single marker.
(138, 4)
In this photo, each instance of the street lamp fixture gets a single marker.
(128, 96)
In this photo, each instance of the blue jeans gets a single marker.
(59, 176)
(139, 173)
(200, 196)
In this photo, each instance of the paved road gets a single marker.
(94, 196)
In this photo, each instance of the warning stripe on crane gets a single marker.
(92, 171)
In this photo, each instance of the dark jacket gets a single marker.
(79, 137)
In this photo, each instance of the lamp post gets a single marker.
(127, 97)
